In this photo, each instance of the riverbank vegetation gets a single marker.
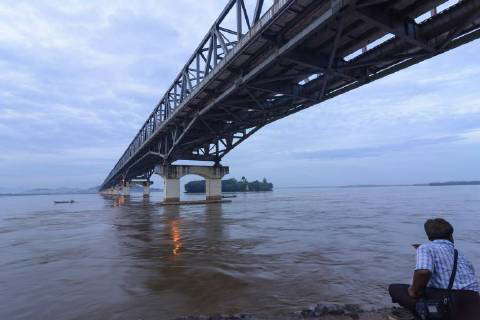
(231, 185)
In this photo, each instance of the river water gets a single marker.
(265, 253)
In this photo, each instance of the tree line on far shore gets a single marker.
(231, 185)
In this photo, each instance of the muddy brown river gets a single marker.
(265, 253)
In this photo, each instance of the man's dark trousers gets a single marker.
(467, 303)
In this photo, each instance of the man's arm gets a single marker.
(423, 272)
(420, 281)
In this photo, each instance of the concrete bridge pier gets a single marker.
(146, 183)
(173, 173)
(171, 189)
(146, 188)
(125, 189)
(213, 188)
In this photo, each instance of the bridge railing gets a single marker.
(215, 51)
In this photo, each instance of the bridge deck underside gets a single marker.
(312, 51)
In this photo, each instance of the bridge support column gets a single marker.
(172, 173)
(146, 188)
(171, 189)
(125, 191)
(213, 189)
(143, 182)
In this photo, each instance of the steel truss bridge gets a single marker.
(258, 66)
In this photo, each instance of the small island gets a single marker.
(231, 185)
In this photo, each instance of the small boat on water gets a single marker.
(226, 197)
(69, 201)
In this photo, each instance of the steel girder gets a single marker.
(300, 53)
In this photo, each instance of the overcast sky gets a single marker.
(78, 78)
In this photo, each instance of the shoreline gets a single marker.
(330, 311)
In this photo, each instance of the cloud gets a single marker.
(374, 151)
(472, 136)
(78, 79)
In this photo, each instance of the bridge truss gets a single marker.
(256, 67)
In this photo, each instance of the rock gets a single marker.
(326, 311)
(353, 308)
(334, 309)
(307, 313)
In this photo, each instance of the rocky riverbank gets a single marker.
(318, 312)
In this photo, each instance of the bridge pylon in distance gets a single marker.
(259, 64)
(145, 183)
(172, 174)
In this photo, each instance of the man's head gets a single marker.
(439, 229)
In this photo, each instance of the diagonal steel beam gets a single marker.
(258, 11)
(222, 41)
(245, 136)
(227, 30)
(245, 14)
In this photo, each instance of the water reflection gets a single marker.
(119, 201)
(172, 214)
(213, 222)
(177, 241)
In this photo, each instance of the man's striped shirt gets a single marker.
(437, 256)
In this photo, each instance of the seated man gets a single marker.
(432, 276)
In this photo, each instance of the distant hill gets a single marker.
(431, 184)
(62, 190)
(92, 190)
(455, 183)
(375, 185)
(47, 191)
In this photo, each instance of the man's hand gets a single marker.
(420, 280)
(412, 293)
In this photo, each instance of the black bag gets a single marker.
(439, 309)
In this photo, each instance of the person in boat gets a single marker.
(433, 273)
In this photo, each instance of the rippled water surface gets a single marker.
(264, 253)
